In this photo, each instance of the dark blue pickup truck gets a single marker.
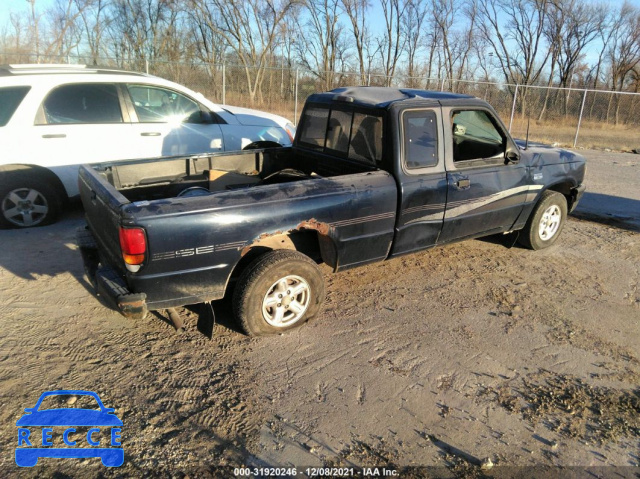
(373, 173)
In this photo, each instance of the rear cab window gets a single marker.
(344, 133)
(10, 99)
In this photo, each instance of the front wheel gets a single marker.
(546, 221)
(279, 291)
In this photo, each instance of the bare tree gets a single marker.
(324, 39)
(444, 13)
(393, 40)
(356, 11)
(515, 31)
(65, 33)
(623, 52)
(579, 30)
(15, 40)
(412, 24)
(35, 28)
(95, 21)
(144, 30)
(249, 28)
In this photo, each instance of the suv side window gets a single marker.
(420, 139)
(160, 105)
(476, 136)
(10, 98)
(82, 103)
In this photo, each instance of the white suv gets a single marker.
(56, 117)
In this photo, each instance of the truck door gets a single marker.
(422, 181)
(486, 183)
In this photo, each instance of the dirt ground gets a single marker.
(475, 359)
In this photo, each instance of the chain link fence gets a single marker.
(563, 116)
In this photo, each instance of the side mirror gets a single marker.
(206, 117)
(511, 157)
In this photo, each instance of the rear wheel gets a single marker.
(27, 200)
(546, 221)
(278, 291)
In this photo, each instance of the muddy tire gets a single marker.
(279, 291)
(546, 221)
(27, 200)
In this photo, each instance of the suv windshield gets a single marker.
(10, 98)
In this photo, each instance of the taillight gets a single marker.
(134, 246)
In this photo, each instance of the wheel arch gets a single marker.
(39, 171)
(565, 188)
(307, 239)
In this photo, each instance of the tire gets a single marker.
(27, 200)
(546, 221)
(269, 279)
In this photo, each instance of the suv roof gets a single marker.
(381, 96)
(48, 69)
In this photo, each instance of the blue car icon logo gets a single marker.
(40, 431)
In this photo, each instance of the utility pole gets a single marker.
(34, 21)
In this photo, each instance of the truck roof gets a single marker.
(382, 97)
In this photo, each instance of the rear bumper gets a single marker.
(111, 287)
(108, 283)
(576, 194)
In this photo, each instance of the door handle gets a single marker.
(56, 135)
(150, 133)
(463, 184)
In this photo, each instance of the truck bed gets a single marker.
(194, 211)
(154, 179)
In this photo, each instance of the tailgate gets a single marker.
(102, 205)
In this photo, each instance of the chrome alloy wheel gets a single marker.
(286, 301)
(25, 207)
(550, 222)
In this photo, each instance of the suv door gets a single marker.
(421, 174)
(169, 123)
(79, 123)
(486, 183)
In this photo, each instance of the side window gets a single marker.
(10, 98)
(159, 105)
(82, 103)
(314, 127)
(339, 131)
(366, 139)
(475, 136)
(420, 139)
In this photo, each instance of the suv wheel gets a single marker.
(27, 202)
